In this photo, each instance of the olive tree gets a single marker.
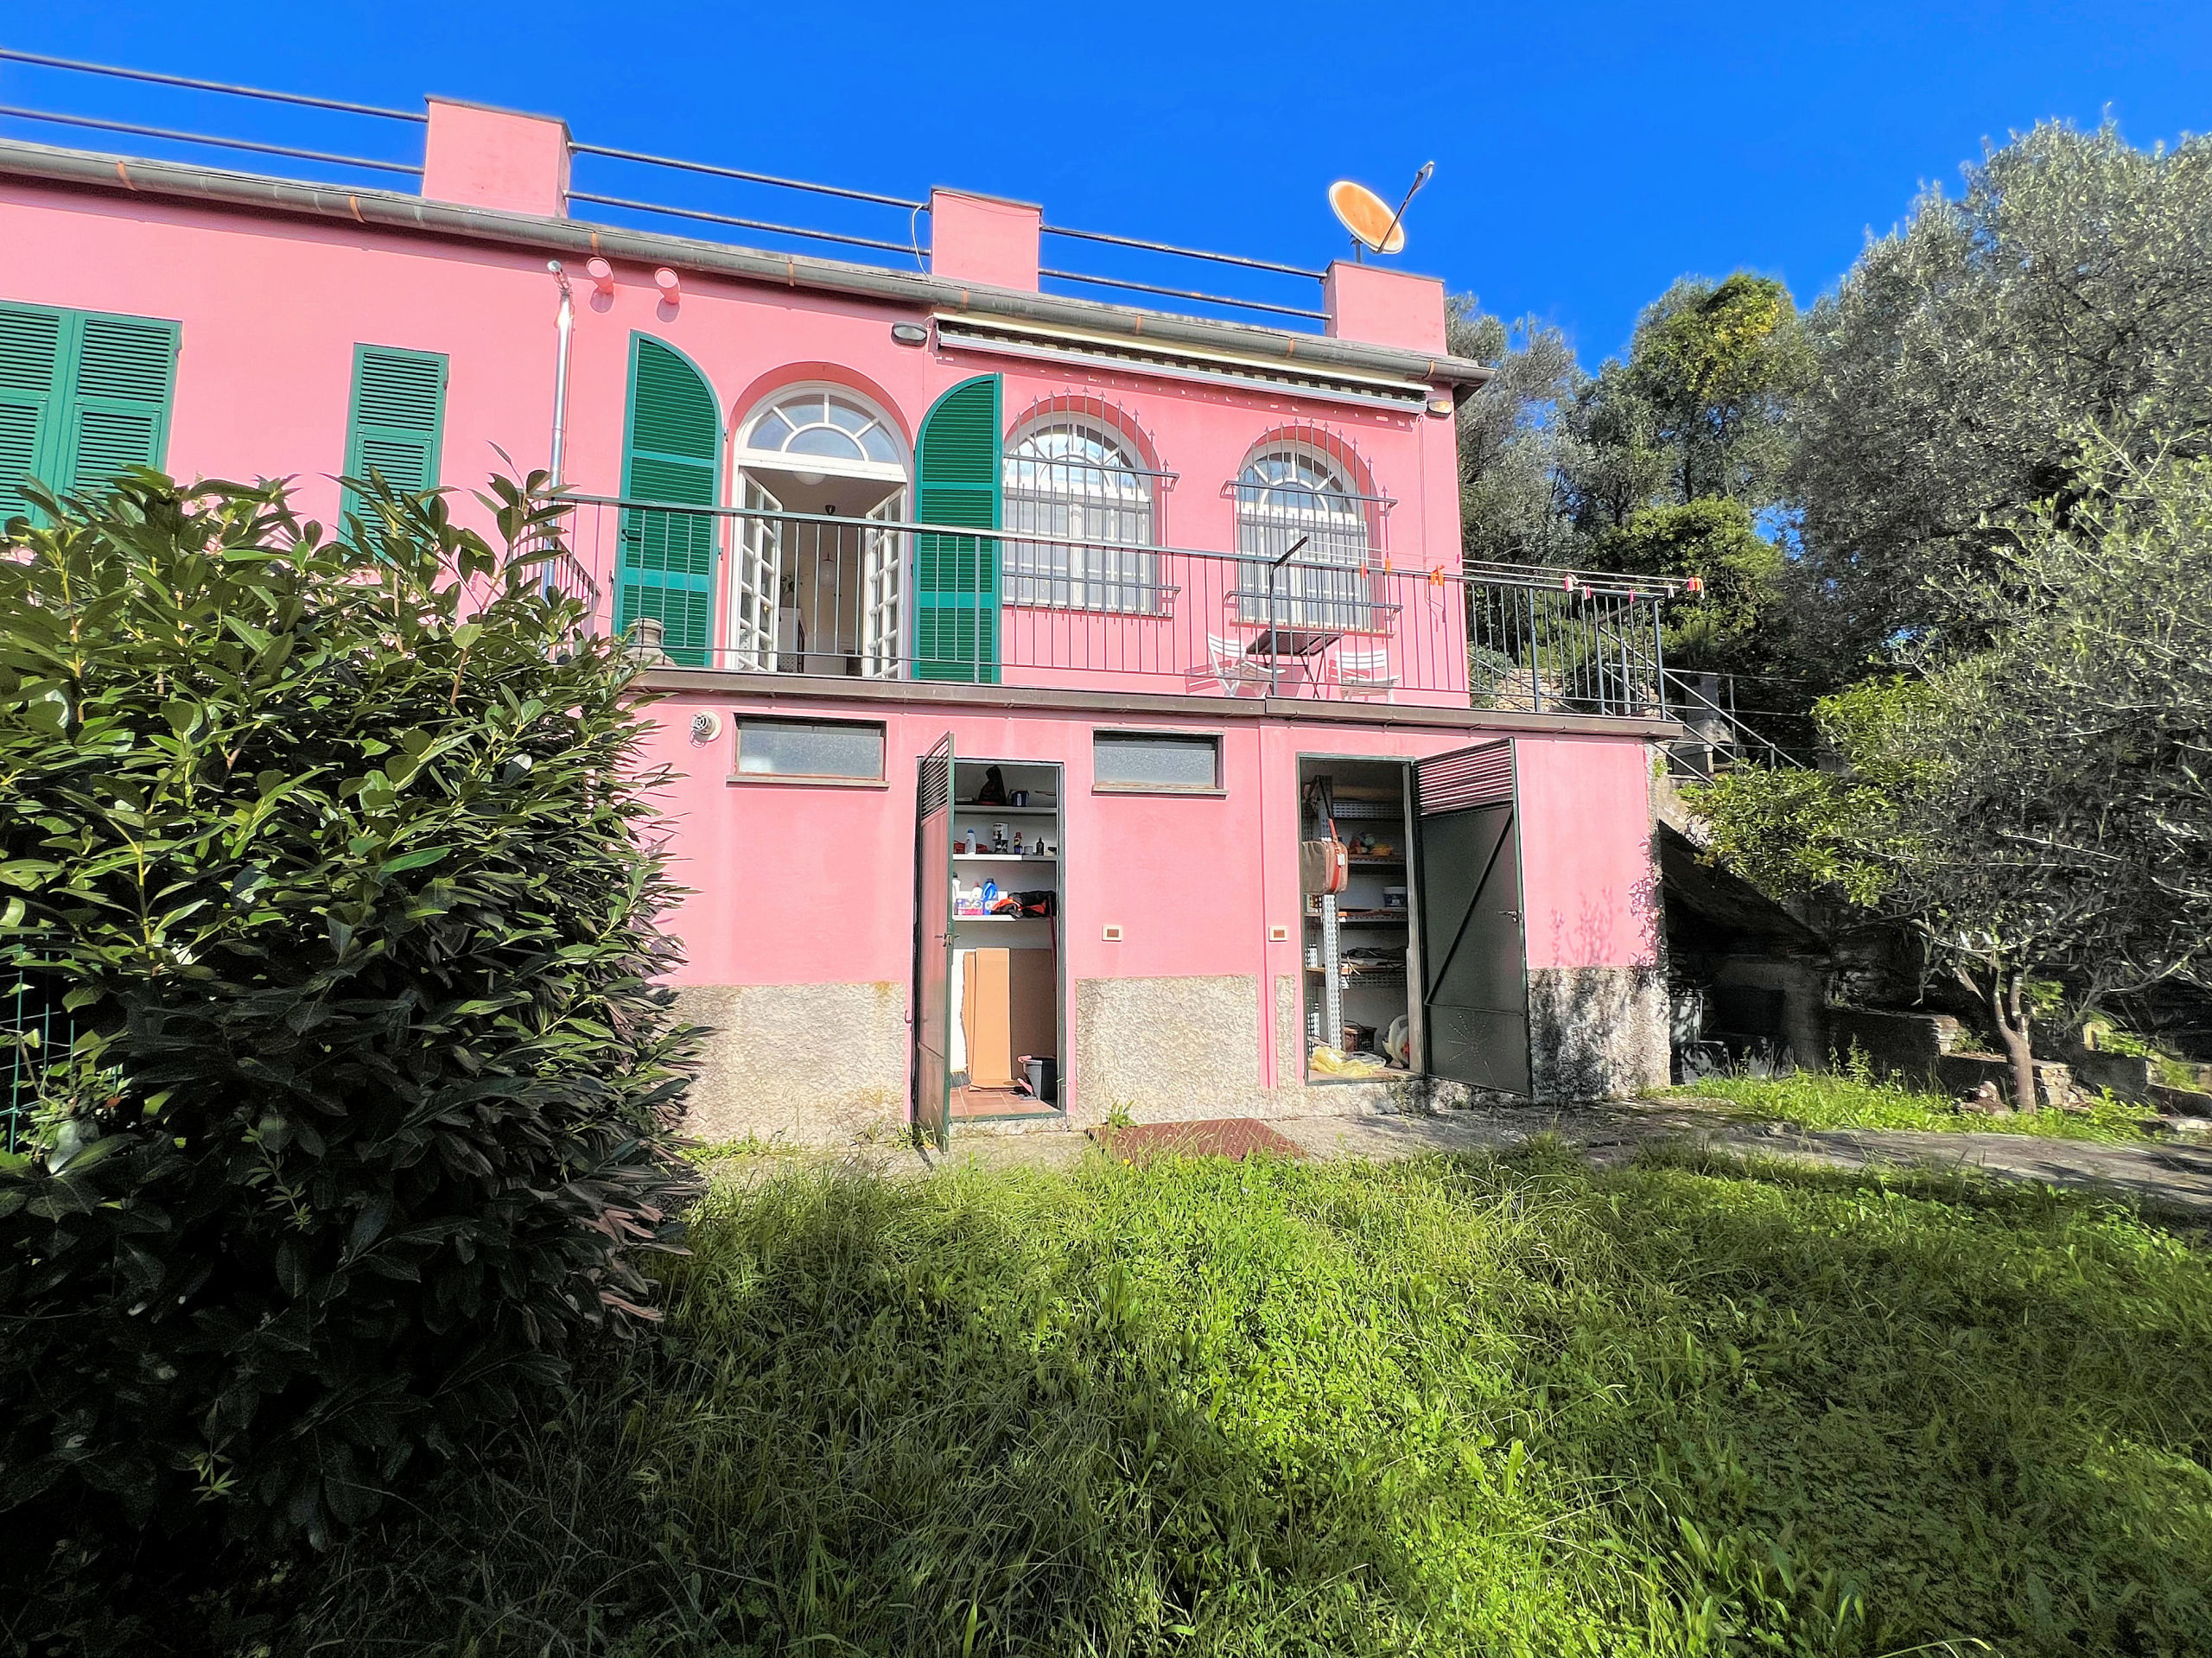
(2069, 281)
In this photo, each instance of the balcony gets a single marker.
(827, 598)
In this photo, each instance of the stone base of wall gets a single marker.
(809, 1063)
(826, 1064)
(1177, 1050)
(1596, 1033)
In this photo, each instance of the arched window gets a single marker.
(1292, 499)
(815, 424)
(1073, 476)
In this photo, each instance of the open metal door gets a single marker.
(757, 584)
(933, 888)
(1474, 952)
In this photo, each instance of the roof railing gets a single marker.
(875, 238)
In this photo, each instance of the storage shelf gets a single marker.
(1368, 812)
(1364, 920)
(1376, 863)
(1007, 811)
(1002, 857)
(996, 920)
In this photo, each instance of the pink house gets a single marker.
(1013, 647)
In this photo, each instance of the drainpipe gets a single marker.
(563, 326)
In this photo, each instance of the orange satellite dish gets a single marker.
(1367, 216)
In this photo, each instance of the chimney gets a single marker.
(483, 158)
(984, 240)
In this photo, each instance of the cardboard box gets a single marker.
(985, 1006)
(1007, 1008)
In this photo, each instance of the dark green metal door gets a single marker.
(1474, 951)
(933, 1042)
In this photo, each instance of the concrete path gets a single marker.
(2173, 1175)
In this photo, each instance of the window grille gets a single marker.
(1079, 479)
(1289, 497)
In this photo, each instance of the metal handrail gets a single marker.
(612, 152)
(1185, 293)
(48, 62)
(1737, 730)
(742, 223)
(715, 171)
(1181, 253)
(176, 136)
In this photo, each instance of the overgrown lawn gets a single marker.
(1845, 1100)
(1451, 1406)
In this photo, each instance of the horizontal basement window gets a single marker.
(850, 750)
(1155, 762)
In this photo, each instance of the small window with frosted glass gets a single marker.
(810, 751)
(1150, 762)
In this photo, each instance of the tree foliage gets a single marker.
(333, 859)
(2069, 282)
(1658, 464)
(2041, 805)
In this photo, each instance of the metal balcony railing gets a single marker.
(832, 597)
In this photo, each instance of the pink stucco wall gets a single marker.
(272, 308)
(496, 158)
(984, 240)
(800, 884)
(797, 885)
(1390, 307)
(1589, 885)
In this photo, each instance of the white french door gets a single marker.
(756, 582)
(882, 571)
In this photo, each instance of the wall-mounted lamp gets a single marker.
(1440, 408)
(909, 334)
(671, 291)
(603, 276)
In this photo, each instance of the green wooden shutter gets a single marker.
(118, 414)
(30, 360)
(957, 577)
(396, 424)
(668, 558)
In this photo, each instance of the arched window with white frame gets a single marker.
(1077, 483)
(818, 581)
(1304, 532)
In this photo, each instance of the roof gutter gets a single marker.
(393, 211)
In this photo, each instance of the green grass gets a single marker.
(1455, 1406)
(1845, 1100)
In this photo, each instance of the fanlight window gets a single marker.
(1288, 497)
(1079, 480)
(822, 426)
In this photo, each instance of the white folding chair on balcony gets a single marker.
(1364, 673)
(1228, 667)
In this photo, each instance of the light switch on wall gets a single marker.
(1278, 935)
(1111, 932)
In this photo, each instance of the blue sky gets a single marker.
(1587, 154)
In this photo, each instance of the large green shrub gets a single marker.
(333, 857)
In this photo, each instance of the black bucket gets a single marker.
(1044, 1077)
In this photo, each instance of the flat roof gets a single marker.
(406, 213)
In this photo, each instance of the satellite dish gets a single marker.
(1369, 217)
